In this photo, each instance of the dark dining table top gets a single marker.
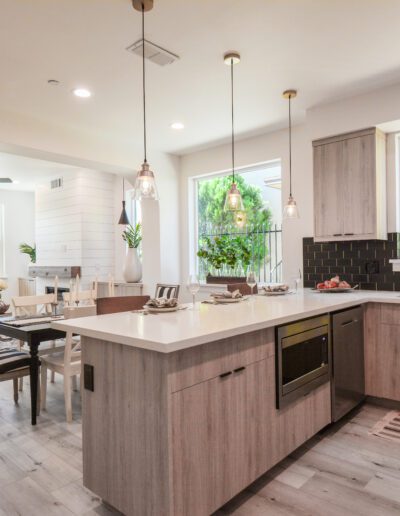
(42, 331)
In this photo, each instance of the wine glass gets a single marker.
(251, 279)
(193, 286)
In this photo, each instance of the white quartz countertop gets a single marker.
(173, 331)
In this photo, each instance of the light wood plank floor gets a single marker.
(341, 472)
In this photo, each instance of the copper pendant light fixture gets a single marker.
(145, 184)
(290, 211)
(233, 201)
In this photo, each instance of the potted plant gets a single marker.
(3, 306)
(132, 270)
(29, 250)
(227, 258)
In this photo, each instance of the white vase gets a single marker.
(132, 270)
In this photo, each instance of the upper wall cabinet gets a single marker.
(350, 186)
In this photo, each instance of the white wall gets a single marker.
(75, 223)
(19, 208)
(161, 238)
(251, 151)
(376, 108)
(30, 137)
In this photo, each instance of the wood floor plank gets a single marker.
(296, 500)
(26, 498)
(358, 502)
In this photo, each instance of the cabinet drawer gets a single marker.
(390, 314)
(194, 365)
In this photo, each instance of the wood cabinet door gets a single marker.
(359, 186)
(328, 190)
(382, 351)
(221, 439)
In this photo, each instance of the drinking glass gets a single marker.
(193, 286)
(251, 279)
(297, 281)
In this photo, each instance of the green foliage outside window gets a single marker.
(224, 247)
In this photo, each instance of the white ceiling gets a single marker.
(29, 173)
(324, 49)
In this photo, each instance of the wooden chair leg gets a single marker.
(53, 374)
(74, 383)
(43, 386)
(15, 382)
(67, 398)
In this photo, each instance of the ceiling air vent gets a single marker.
(153, 52)
(56, 183)
(5, 180)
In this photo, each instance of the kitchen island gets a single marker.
(181, 413)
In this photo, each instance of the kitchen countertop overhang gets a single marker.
(183, 329)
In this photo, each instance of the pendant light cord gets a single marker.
(233, 127)
(290, 147)
(144, 90)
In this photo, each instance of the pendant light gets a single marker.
(123, 220)
(233, 201)
(290, 211)
(145, 184)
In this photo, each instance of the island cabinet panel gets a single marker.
(382, 351)
(350, 186)
(226, 432)
(181, 433)
(221, 437)
(194, 365)
(125, 430)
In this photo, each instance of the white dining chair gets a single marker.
(68, 363)
(40, 305)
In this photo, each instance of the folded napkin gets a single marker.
(227, 295)
(162, 302)
(276, 288)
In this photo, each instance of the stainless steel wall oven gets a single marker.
(303, 355)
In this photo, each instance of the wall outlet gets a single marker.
(372, 267)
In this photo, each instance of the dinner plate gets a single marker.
(156, 310)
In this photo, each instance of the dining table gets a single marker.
(34, 334)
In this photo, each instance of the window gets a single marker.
(133, 207)
(229, 243)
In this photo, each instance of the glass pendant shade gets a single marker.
(233, 200)
(145, 184)
(290, 211)
(123, 220)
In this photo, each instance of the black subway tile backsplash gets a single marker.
(349, 261)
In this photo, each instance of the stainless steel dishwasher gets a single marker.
(348, 381)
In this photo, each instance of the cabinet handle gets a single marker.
(223, 375)
(348, 234)
(350, 322)
(337, 234)
(239, 369)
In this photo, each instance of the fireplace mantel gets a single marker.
(47, 271)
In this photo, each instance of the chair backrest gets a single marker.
(243, 288)
(168, 291)
(112, 305)
(22, 305)
(82, 297)
(72, 350)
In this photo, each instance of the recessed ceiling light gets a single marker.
(16, 182)
(178, 126)
(82, 93)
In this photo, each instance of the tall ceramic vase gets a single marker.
(132, 271)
